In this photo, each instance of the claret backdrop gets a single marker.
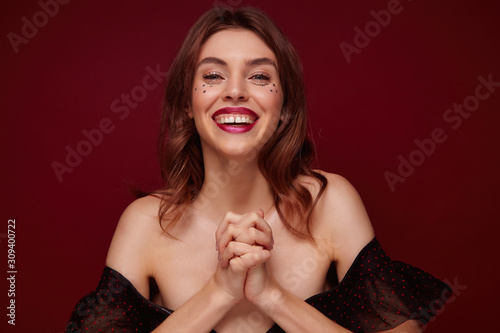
(404, 101)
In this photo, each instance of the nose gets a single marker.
(235, 90)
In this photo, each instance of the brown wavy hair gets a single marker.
(288, 153)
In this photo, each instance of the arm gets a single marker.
(209, 305)
(344, 216)
(223, 291)
(286, 309)
(132, 252)
(292, 314)
(341, 218)
(342, 212)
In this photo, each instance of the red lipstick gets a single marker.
(235, 119)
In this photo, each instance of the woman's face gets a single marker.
(237, 98)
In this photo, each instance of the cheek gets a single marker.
(204, 95)
(203, 89)
(270, 99)
(272, 104)
(274, 89)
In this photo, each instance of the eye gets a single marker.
(260, 79)
(213, 78)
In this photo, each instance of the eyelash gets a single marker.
(211, 78)
(262, 81)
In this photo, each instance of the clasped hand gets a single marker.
(244, 244)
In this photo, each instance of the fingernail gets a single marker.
(218, 255)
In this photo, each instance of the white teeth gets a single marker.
(238, 119)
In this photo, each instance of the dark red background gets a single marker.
(364, 114)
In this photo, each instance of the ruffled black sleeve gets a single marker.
(378, 294)
(115, 306)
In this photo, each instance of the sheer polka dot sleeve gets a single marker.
(378, 294)
(115, 306)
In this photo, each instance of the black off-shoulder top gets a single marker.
(376, 294)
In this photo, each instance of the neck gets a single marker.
(236, 186)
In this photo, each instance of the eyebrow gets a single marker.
(212, 60)
(253, 62)
(261, 61)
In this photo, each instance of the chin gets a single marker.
(240, 152)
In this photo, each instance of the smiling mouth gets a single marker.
(235, 119)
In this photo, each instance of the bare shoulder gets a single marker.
(131, 249)
(340, 216)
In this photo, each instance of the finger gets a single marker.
(250, 260)
(253, 236)
(230, 217)
(256, 221)
(231, 232)
(252, 220)
(235, 249)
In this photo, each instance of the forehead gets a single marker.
(234, 44)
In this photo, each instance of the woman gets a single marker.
(247, 230)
